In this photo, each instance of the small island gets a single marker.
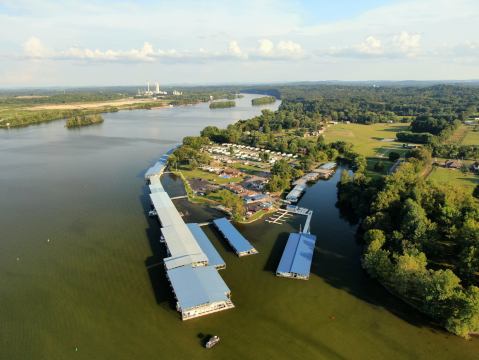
(222, 104)
(83, 120)
(264, 100)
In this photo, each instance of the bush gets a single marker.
(394, 156)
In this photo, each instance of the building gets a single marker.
(199, 291)
(297, 256)
(453, 164)
(240, 245)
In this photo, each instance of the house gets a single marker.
(474, 167)
(453, 164)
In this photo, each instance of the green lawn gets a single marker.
(471, 138)
(250, 169)
(459, 135)
(197, 173)
(454, 177)
(367, 139)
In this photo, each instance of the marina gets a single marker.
(193, 275)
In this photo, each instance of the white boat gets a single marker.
(152, 213)
(212, 341)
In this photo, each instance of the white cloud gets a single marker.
(283, 50)
(235, 50)
(34, 48)
(397, 46)
(409, 44)
(371, 46)
(266, 47)
(267, 50)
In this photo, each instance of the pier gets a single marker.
(192, 263)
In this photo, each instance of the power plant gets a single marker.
(157, 92)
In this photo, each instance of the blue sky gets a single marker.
(76, 43)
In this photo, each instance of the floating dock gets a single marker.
(240, 245)
(297, 256)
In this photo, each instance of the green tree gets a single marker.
(393, 156)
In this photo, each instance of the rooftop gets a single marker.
(297, 255)
(198, 286)
(234, 237)
(167, 213)
(181, 243)
(214, 258)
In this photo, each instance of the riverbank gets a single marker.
(21, 117)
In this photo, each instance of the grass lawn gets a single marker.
(367, 139)
(197, 173)
(372, 172)
(454, 177)
(459, 135)
(471, 138)
(250, 169)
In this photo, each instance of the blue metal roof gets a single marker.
(196, 286)
(297, 254)
(214, 258)
(234, 237)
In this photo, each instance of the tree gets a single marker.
(375, 239)
(475, 193)
(414, 223)
(394, 156)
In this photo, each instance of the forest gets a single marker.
(263, 100)
(83, 120)
(222, 104)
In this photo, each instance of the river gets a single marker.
(79, 274)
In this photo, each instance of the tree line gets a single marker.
(421, 241)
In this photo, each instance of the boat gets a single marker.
(212, 341)
(152, 213)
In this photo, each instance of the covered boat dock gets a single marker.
(191, 264)
(214, 258)
(297, 256)
(199, 291)
(240, 245)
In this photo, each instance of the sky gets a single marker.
(86, 43)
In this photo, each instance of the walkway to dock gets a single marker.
(279, 217)
(179, 197)
(282, 215)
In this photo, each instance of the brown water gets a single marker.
(78, 256)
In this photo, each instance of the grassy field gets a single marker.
(367, 139)
(471, 138)
(454, 177)
(197, 173)
(459, 135)
(250, 169)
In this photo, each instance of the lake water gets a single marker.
(79, 274)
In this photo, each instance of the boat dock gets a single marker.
(297, 256)
(282, 215)
(279, 217)
(192, 263)
(240, 245)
